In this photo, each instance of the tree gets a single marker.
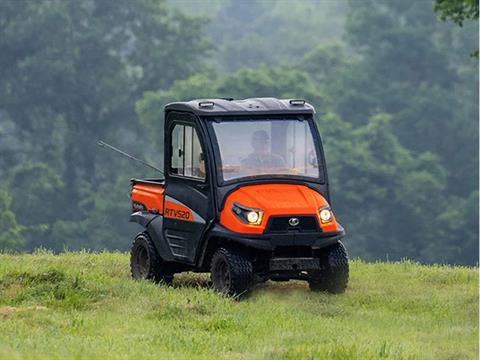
(11, 237)
(406, 66)
(70, 72)
(458, 11)
(254, 32)
(36, 192)
(385, 195)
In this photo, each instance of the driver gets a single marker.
(261, 158)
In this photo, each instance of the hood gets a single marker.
(280, 198)
(273, 200)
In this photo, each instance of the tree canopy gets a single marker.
(458, 11)
(395, 91)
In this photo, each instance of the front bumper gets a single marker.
(269, 242)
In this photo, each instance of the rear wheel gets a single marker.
(333, 276)
(145, 263)
(231, 272)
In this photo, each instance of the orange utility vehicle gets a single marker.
(245, 197)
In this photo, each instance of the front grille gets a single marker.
(280, 224)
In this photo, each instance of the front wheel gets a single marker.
(145, 263)
(231, 272)
(333, 276)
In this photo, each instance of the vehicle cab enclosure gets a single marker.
(246, 176)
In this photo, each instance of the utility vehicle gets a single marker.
(244, 196)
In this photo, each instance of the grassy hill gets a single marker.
(85, 306)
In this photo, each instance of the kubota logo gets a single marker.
(138, 206)
(294, 221)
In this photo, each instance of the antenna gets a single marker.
(105, 145)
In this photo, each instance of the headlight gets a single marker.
(326, 215)
(252, 217)
(247, 215)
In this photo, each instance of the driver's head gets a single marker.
(260, 142)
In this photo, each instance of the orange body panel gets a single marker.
(150, 196)
(274, 199)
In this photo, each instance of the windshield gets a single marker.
(266, 147)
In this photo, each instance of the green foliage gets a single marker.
(106, 225)
(396, 100)
(34, 187)
(374, 178)
(11, 237)
(91, 59)
(70, 75)
(85, 306)
(458, 218)
(458, 11)
(404, 70)
(323, 62)
(254, 32)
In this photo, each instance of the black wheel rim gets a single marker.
(143, 263)
(221, 276)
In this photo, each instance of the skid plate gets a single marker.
(294, 264)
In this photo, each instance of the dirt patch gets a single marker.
(8, 310)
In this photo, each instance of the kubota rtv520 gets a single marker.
(244, 196)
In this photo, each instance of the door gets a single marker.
(187, 204)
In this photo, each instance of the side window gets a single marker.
(177, 150)
(187, 156)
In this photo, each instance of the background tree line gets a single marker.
(395, 88)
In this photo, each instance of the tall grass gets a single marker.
(85, 306)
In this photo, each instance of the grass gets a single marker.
(85, 306)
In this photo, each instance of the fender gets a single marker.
(142, 217)
(153, 224)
